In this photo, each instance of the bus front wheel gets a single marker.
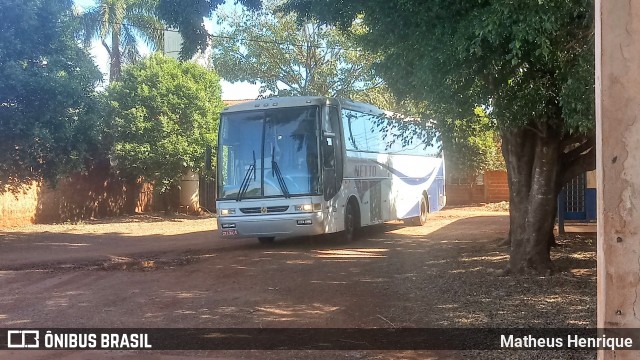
(266, 240)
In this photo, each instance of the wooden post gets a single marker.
(618, 166)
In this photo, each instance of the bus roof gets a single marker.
(292, 101)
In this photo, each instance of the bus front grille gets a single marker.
(265, 210)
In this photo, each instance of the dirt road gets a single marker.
(152, 272)
(46, 246)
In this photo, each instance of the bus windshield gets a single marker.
(268, 153)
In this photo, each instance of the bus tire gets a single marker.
(422, 218)
(351, 222)
(266, 240)
(424, 211)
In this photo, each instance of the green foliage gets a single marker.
(165, 113)
(528, 62)
(119, 24)
(471, 145)
(289, 58)
(186, 16)
(49, 122)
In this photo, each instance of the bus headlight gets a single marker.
(308, 207)
(225, 212)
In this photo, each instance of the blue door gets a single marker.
(574, 193)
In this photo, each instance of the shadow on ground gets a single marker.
(441, 275)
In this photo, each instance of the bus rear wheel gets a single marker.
(422, 219)
(351, 223)
(266, 240)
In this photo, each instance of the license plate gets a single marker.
(229, 232)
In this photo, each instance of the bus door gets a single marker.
(375, 200)
(331, 153)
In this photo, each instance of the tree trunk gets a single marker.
(115, 67)
(551, 242)
(532, 159)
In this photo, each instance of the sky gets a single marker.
(230, 91)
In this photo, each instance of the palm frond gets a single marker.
(143, 6)
(129, 45)
(127, 22)
(91, 29)
(105, 19)
(119, 14)
(149, 28)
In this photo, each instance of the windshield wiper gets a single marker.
(278, 174)
(251, 171)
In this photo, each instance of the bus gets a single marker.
(298, 166)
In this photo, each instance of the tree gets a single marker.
(187, 15)
(48, 106)
(471, 146)
(119, 24)
(165, 113)
(288, 58)
(528, 63)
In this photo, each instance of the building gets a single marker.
(492, 186)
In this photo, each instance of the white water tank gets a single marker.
(190, 192)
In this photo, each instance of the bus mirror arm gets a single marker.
(329, 134)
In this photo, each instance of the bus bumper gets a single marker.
(300, 224)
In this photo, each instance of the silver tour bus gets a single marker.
(296, 166)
